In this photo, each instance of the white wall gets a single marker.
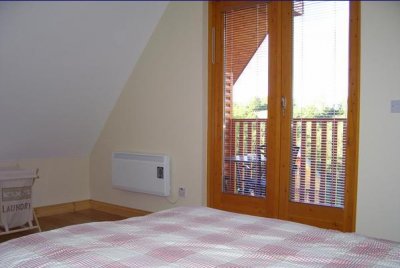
(161, 110)
(63, 65)
(378, 204)
(61, 180)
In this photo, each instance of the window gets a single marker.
(245, 100)
(320, 92)
(283, 110)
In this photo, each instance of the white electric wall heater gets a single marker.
(144, 173)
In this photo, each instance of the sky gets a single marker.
(320, 59)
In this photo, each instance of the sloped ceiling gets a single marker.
(62, 67)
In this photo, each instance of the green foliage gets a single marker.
(313, 111)
(250, 110)
(256, 105)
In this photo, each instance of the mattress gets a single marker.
(197, 237)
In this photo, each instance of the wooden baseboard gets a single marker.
(117, 210)
(62, 208)
(88, 204)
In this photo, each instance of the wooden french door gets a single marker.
(270, 152)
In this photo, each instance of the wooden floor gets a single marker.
(61, 220)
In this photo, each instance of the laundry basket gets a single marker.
(16, 211)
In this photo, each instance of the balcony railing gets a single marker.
(318, 156)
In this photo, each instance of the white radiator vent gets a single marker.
(142, 173)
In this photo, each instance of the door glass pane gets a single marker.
(320, 89)
(245, 100)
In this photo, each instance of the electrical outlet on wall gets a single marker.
(182, 192)
(395, 106)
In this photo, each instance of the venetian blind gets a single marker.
(320, 90)
(245, 100)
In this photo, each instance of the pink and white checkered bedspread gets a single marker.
(197, 237)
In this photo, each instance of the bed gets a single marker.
(197, 237)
